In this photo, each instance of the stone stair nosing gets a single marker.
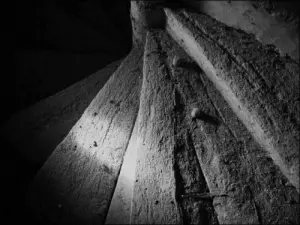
(245, 91)
(242, 182)
(120, 207)
(154, 187)
(76, 183)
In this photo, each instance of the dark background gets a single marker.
(47, 45)
(50, 44)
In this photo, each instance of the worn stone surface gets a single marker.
(120, 208)
(211, 168)
(248, 187)
(82, 172)
(155, 186)
(189, 176)
(273, 23)
(189, 91)
(246, 89)
(36, 131)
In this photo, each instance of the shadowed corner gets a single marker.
(209, 119)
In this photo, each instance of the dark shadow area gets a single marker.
(190, 65)
(209, 119)
(17, 174)
(49, 45)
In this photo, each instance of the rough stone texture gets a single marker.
(271, 22)
(248, 187)
(240, 161)
(82, 172)
(120, 208)
(212, 168)
(247, 86)
(145, 15)
(37, 130)
(154, 190)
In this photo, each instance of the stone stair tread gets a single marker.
(154, 200)
(76, 183)
(37, 130)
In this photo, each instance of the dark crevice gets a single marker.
(259, 216)
(209, 119)
(207, 213)
(190, 65)
(178, 104)
(179, 189)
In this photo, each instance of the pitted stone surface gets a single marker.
(218, 51)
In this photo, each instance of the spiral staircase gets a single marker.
(190, 128)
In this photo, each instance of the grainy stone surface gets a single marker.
(36, 131)
(82, 172)
(155, 186)
(273, 23)
(236, 163)
(248, 90)
(249, 187)
(120, 207)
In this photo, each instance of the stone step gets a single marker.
(120, 207)
(77, 182)
(207, 171)
(35, 131)
(261, 87)
(154, 199)
(233, 172)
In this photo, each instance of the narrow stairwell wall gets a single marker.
(120, 208)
